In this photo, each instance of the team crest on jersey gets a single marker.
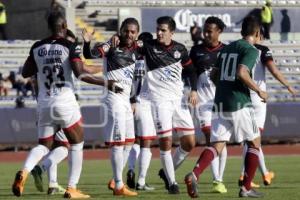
(177, 54)
(105, 48)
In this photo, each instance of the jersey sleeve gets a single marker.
(185, 58)
(266, 55)
(75, 52)
(102, 49)
(30, 59)
(249, 58)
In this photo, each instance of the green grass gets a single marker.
(96, 174)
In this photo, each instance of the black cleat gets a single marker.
(163, 176)
(191, 185)
(37, 172)
(174, 189)
(250, 193)
(131, 179)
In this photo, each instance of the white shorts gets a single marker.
(260, 110)
(240, 123)
(172, 114)
(145, 129)
(61, 138)
(58, 116)
(120, 123)
(206, 95)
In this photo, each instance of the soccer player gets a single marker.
(53, 60)
(119, 129)
(145, 130)
(204, 57)
(260, 109)
(233, 111)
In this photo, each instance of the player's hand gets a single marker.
(193, 98)
(133, 107)
(87, 36)
(263, 95)
(292, 90)
(115, 41)
(112, 86)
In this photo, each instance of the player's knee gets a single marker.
(46, 143)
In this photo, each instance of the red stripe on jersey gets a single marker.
(187, 63)
(73, 125)
(46, 139)
(163, 132)
(147, 137)
(215, 48)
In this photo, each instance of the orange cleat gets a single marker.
(267, 178)
(111, 184)
(73, 193)
(18, 185)
(124, 191)
(253, 185)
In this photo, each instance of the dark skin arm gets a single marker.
(28, 69)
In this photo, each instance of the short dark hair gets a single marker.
(167, 20)
(145, 36)
(250, 25)
(55, 20)
(217, 21)
(129, 20)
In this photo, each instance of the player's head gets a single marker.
(145, 36)
(251, 27)
(57, 23)
(212, 28)
(129, 31)
(165, 29)
(71, 36)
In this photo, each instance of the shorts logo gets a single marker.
(128, 73)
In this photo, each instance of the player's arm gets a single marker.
(93, 69)
(243, 72)
(29, 69)
(279, 76)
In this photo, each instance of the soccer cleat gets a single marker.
(111, 184)
(163, 176)
(174, 189)
(37, 172)
(219, 187)
(73, 193)
(18, 185)
(56, 190)
(145, 187)
(268, 178)
(124, 191)
(249, 193)
(191, 185)
(131, 179)
(253, 185)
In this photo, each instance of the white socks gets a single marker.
(75, 164)
(133, 156)
(144, 162)
(126, 152)
(179, 156)
(167, 163)
(35, 155)
(50, 163)
(117, 165)
(218, 165)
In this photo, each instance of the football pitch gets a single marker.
(95, 175)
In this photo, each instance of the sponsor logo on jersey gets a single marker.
(43, 52)
(177, 54)
(128, 73)
(156, 51)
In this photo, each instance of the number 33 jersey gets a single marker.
(52, 58)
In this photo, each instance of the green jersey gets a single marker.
(231, 93)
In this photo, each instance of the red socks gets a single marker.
(251, 164)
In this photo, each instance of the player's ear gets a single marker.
(65, 26)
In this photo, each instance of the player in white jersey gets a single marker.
(145, 130)
(259, 76)
(53, 60)
(119, 64)
(204, 57)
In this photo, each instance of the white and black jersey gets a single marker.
(52, 58)
(119, 65)
(165, 65)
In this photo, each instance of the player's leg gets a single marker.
(45, 132)
(146, 133)
(133, 155)
(162, 115)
